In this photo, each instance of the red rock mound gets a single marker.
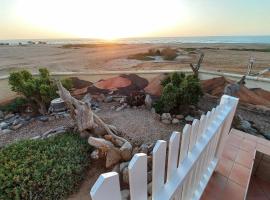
(113, 83)
(154, 87)
(216, 87)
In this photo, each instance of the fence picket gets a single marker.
(158, 173)
(184, 143)
(194, 133)
(138, 184)
(173, 154)
(108, 182)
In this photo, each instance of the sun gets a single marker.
(104, 19)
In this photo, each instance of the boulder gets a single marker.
(175, 121)
(113, 157)
(189, 118)
(108, 99)
(166, 116)
(95, 154)
(126, 151)
(3, 125)
(57, 105)
(148, 101)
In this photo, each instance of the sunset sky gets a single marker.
(111, 19)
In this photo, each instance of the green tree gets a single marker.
(40, 90)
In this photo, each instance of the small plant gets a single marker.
(43, 169)
(67, 83)
(17, 105)
(169, 54)
(179, 91)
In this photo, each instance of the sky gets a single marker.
(112, 19)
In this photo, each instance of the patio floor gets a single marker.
(231, 178)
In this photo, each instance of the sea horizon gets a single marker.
(153, 40)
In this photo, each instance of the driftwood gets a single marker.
(86, 120)
(195, 68)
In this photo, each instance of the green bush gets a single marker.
(67, 83)
(179, 91)
(14, 106)
(43, 169)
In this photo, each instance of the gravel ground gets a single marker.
(138, 125)
(34, 128)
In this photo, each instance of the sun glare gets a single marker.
(104, 19)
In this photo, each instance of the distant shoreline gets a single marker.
(153, 40)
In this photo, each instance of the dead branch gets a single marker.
(195, 68)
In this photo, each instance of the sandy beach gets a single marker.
(218, 57)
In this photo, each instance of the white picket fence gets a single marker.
(192, 158)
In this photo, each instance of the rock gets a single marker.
(43, 118)
(8, 116)
(113, 157)
(135, 150)
(244, 125)
(100, 143)
(166, 121)
(16, 127)
(149, 176)
(148, 101)
(3, 125)
(99, 131)
(122, 100)
(108, 99)
(113, 107)
(125, 175)
(189, 118)
(1, 114)
(121, 107)
(179, 117)
(108, 137)
(16, 121)
(57, 105)
(153, 110)
(6, 131)
(175, 121)
(125, 194)
(166, 116)
(123, 165)
(126, 151)
(144, 148)
(101, 98)
(95, 154)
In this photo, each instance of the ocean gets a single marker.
(162, 40)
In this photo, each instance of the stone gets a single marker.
(125, 175)
(189, 118)
(8, 116)
(108, 137)
(126, 151)
(166, 121)
(57, 105)
(108, 99)
(179, 117)
(123, 165)
(95, 154)
(121, 107)
(122, 100)
(116, 168)
(144, 148)
(113, 157)
(6, 131)
(16, 127)
(125, 195)
(153, 110)
(166, 116)
(43, 118)
(113, 107)
(3, 125)
(175, 121)
(148, 101)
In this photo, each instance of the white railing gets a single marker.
(192, 158)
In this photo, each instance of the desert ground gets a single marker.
(218, 57)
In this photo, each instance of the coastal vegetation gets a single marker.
(179, 91)
(39, 90)
(43, 169)
(165, 53)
